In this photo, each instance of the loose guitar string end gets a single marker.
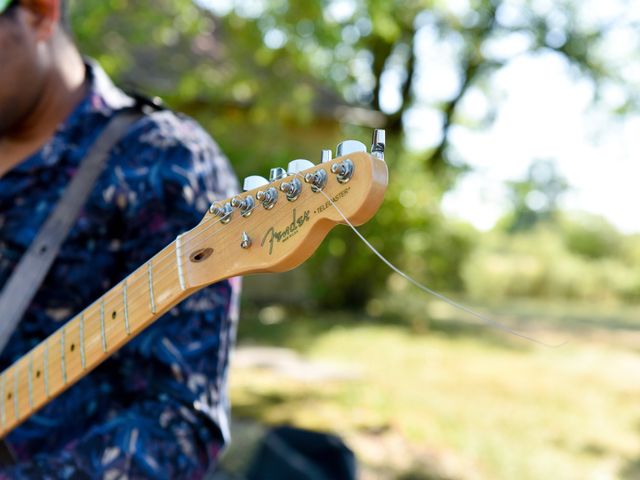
(486, 320)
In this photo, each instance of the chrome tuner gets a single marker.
(318, 180)
(378, 144)
(245, 243)
(327, 156)
(350, 146)
(277, 174)
(343, 170)
(268, 197)
(245, 205)
(225, 212)
(292, 189)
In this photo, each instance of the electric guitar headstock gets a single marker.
(276, 224)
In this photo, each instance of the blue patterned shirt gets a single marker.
(158, 407)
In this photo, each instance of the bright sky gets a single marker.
(545, 114)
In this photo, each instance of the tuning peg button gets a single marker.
(327, 156)
(254, 181)
(300, 165)
(350, 146)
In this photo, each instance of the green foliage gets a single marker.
(555, 261)
(592, 237)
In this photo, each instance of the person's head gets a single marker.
(33, 46)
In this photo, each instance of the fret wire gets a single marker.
(151, 294)
(82, 357)
(102, 332)
(31, 381)
(126, 309)
(46, 367)
(15, 393)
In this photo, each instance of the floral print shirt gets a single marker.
(158, 407)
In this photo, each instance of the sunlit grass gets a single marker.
(458, 398)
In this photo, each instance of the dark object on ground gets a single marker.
(291, 453)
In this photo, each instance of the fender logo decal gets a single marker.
(292, 229)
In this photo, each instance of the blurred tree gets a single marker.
(274, 78)
(593, 237)
(536, 198)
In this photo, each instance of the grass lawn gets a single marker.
(433, 394)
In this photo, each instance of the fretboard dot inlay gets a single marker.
(73, 347)
(114, 315)
(38, 374)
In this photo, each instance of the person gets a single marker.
(158, 408)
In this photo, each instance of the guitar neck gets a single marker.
(269, 230)
(91, 337)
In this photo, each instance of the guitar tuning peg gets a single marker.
(350, 146)
(300, 165)
(277, 174)
(254, 181)
(327, 156)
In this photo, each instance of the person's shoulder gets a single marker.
(165, 130)
(165, 149)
